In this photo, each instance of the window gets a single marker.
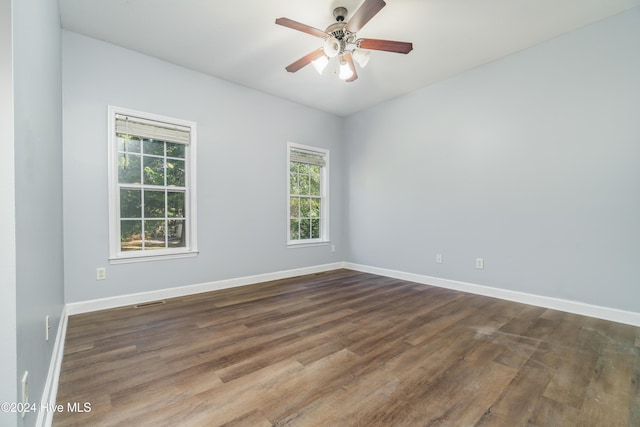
(152, 186)
(308, 195)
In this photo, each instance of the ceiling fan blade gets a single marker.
(386, 45)
(349, 58)
(305, 60)
(290, 23)
(365, 12)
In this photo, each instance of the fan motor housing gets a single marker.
(337, 30)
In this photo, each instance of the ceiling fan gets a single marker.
(340, 41)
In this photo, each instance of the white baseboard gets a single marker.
(606, 313)
(139, 298)
(48, 401)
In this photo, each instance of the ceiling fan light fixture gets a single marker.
(345, 72)
(320, 64)
(331, 47)
(361, 57)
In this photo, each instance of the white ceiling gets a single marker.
(237, 40)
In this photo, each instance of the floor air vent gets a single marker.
(149, 304)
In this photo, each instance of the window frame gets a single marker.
(116, 255)
(324, 238)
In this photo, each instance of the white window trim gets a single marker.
(116, 256)
(324, 205)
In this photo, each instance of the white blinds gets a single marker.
(304, 156)
(161, 131)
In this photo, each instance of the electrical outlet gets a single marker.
(439, 258)
(101, 273)
(479, 263)
(25, 392)
(333, 248)
(47, 328)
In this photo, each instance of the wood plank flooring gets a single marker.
(345, 348)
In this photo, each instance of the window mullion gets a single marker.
(166, 202)
(142, 235)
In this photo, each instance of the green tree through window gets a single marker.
(151, 176)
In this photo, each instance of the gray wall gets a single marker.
(531, 162)
(8, 355)
(242, 137)
(38, 187)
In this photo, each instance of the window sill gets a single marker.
(144, 258)
(308, 244)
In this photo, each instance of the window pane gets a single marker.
(304, 168)
(315, 208)
(154, 232)
(153, 171)
(129, 168)
(128, 144)
(153, 204)
(294, 188)
(153, 147)
(295, 229)
(175, 172)
(177, 234)
(294, 207)
(293, 167)
(175, 150)
(130, 203)
(315, 228)
(304, 184)
(130, 235)
(305, 229)
(175, 204)
(314, 188)
(304, 208)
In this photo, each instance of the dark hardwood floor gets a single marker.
(345, 348)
